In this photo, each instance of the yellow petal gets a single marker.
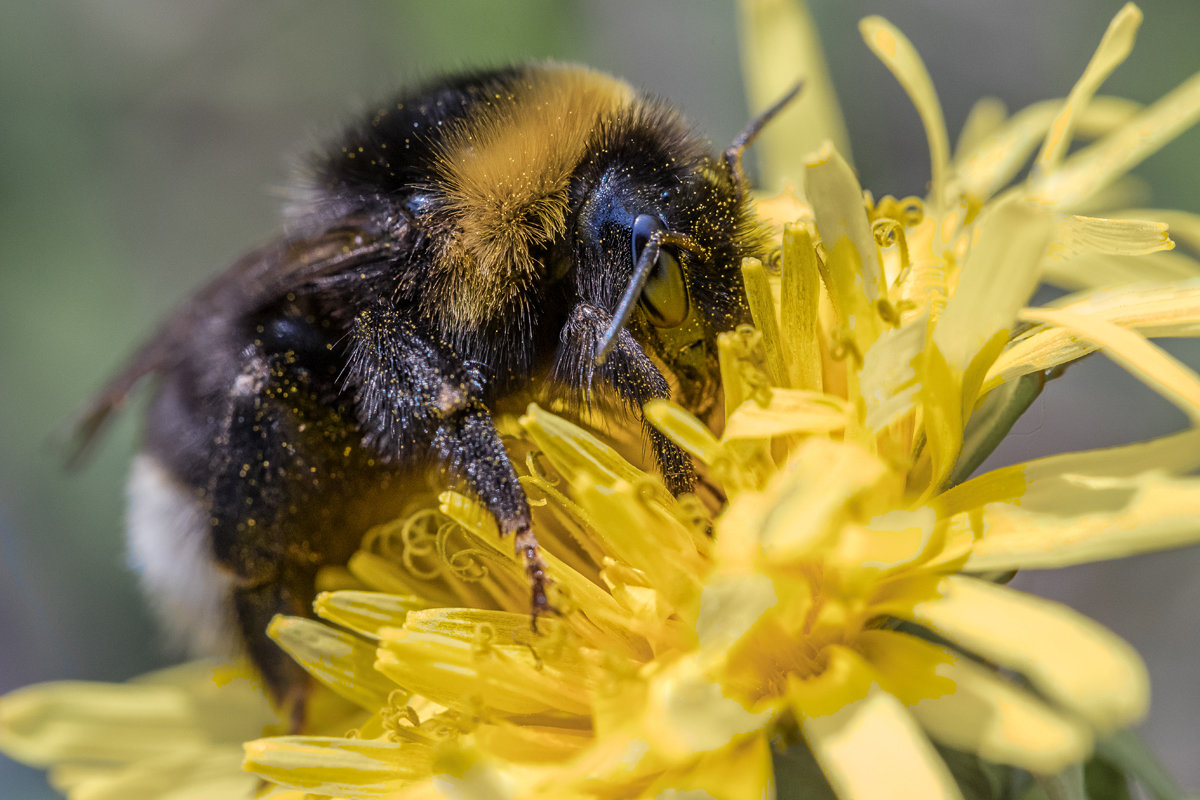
(897, 53)
(339, 767)
(1104, 518)
(1184, 225)
(841, 218)
(1158, 369)
(800, 295)
(780, 45)
(1078, 235)
(410, 577)
(789, 411)
(940, 393)
(1039, 484)
(729, 606)
(889, 542)
(1089, 170)
(598, 606)
(668, 557)
(1152, 309)
(968, 707)
(888, 380)
(212, 774)
(762, 308)
(873, 748)
(742, 771)
(456, 670)
(1114, 48)
(998, 278)
(687, 431)
(686, 713)
(529, 743)
(573, 451)
(1095, 270)
(366, 612)
(996, 160)
(340, 660)
(805, 504)
(983, 121)
(1064, 655)
(181, 708)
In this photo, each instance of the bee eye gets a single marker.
(664, 297)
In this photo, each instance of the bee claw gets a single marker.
(526, 545)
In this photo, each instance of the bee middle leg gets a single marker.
(632, 375)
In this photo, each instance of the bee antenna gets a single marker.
(733, 156)
(641, 272)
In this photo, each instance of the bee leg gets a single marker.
(414, 400)
(468, 446)
(630, 372)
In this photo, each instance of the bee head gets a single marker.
(665, 248)
(685, 223)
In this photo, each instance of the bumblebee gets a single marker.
(536, 232)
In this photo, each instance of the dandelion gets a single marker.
(829, 590)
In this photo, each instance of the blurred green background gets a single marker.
(143, 144)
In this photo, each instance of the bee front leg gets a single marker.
(417, 400)
(631, 374)
(468, 447)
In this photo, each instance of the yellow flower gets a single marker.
(830, 583)
(842, 596)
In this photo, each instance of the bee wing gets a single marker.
(258, 278)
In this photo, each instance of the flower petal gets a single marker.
(1066, 656)
(983, 121)
(998, 278)
(888, 379)
(334, 766)
(1158, 369)
(1125, 516)
(178, 708)
(573, 451)
(1089, 170)
(858, 281)
(1039, 483)
(340, 660)
(897, 53)
(1078, 235)
(366, 612)
(969, 707)
(1114, 48)
(804, 506)
(800, 296)
(1184, 225)
(184, 774)
(789, 411)
(1153, 310)
(762, 308)
(1097, 270)
(687, 431)
(992, 163)
(687, 713)
(780, 45)
(455, 666)
(742, 771)
(873, 748)
(729, 606)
